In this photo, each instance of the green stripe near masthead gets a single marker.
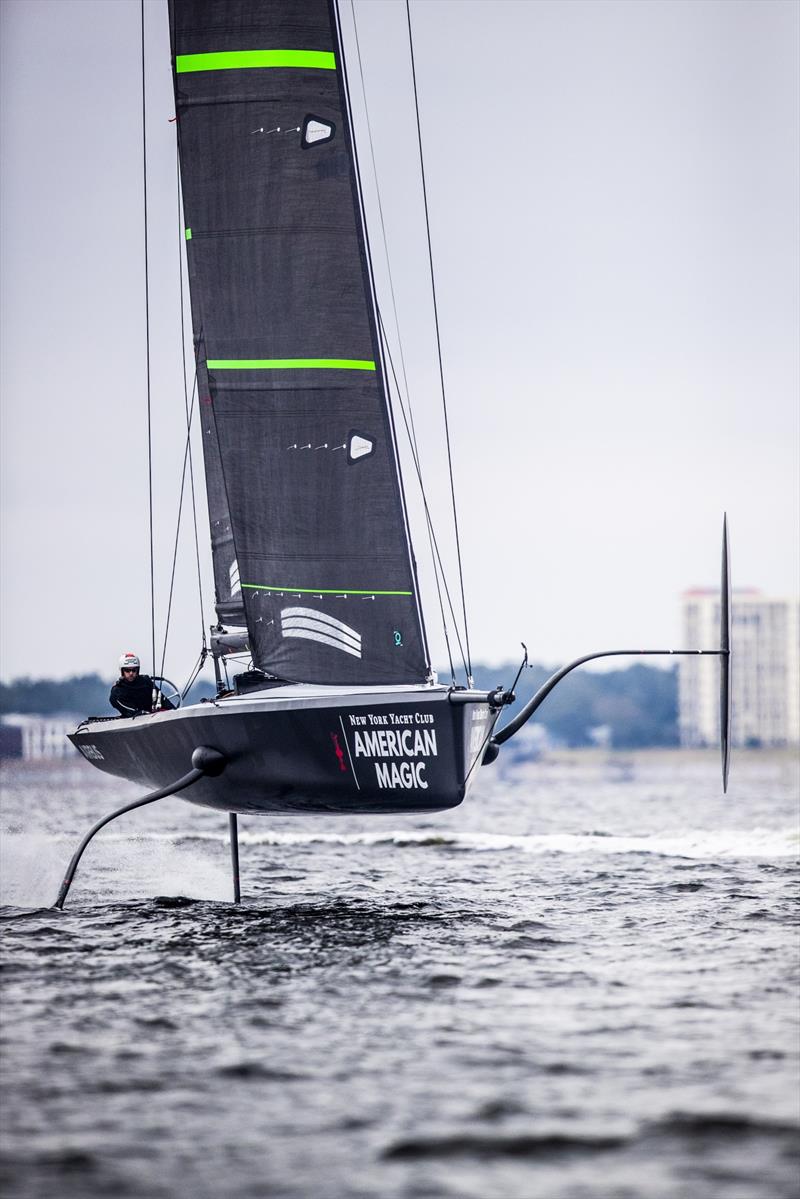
(238, 60)
(289, 364)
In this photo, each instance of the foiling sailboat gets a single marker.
(314, 571)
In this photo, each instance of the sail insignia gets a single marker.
(359, 446)
(288, 353)
(319, 626)
(316, 131)
(235, 580)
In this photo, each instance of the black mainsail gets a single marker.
(309, 535)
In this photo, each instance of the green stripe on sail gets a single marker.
(321, 590)
(289, 364)
(238, 60)
(187, 233)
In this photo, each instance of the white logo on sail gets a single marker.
(360, 447)
(233, 573)
(317, 131)
(318, 626)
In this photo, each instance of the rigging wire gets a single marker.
(147, 354)
(438, 565)
(348, 114)
(198, 666)
(408, 420)
(187, 409)
(488, 736)
(186, 455)
(413, 435)
(439, 345)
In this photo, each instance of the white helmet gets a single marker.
(129, 662)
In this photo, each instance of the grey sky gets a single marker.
(613, 196)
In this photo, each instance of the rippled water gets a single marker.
(581, 984)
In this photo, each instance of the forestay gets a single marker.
(307, 515)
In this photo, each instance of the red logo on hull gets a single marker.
(339, 752)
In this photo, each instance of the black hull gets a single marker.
(307, 750)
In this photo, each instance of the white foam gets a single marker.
(160, 865)
(120, 867)
(694, 843)
(32, 867)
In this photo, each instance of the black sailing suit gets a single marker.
(133, 698)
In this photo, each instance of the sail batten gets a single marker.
(301, 464)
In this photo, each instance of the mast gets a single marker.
(308, 525)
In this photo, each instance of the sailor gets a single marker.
(132, 694)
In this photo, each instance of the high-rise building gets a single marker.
(765, 685)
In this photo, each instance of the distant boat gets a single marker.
(313, 566)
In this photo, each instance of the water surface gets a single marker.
(581, 984)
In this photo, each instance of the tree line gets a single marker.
(629, 708)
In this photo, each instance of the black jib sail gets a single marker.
(307, 515)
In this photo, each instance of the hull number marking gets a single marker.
(92, 753)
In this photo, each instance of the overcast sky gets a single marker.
(613, 192)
